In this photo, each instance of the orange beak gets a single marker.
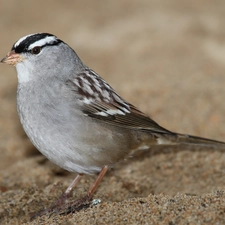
(12, 58)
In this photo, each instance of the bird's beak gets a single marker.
(12, 58)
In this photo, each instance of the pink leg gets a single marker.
(73, 184)
(61, 199)
(67, 193)
(61, 207)
(85, 201)
(97, 181)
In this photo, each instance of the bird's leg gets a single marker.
(61, 199)
(61, 207)
(78, 204)
(67, 193)
(97, 181)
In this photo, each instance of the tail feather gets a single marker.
(194, 140)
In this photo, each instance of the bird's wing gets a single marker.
(99, 100)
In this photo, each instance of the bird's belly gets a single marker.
(82, 147)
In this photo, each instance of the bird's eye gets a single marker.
(36, 50)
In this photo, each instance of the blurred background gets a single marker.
(165, 57)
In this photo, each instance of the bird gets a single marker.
(75, 118)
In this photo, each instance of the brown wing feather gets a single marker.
(99, 100)
(135, 120)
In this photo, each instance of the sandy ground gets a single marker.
(168, 59)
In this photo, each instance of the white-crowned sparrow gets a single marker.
(74, 117)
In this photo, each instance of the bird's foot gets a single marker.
(61, 207)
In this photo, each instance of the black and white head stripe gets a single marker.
(25, 44)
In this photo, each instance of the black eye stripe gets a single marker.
(23, 46)
(41, 47)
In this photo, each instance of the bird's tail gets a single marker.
(172, 142)
(168, 138)
(194, 140)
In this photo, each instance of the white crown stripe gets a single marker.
(42, 42)
(21, 40)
